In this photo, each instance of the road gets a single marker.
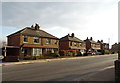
(61, 70)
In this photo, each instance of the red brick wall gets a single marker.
(14, 40)
(88, 45)
(64, 45)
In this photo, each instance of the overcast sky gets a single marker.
(88, 18)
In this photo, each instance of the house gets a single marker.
(91, 45)
(71, 43)
(104, 47)
(33, 41)
(115, 47)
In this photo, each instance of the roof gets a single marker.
(70, 38)
(28, 31)
(92, 41)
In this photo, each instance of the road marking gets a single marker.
(106, 68)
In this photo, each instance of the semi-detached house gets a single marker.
(72, 43)
(33, 41)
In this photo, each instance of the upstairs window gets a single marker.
(47, 41)
(80, 44)
(25, 38)
(56, 42)
(70, 43)
(75, 44)
(36, 39)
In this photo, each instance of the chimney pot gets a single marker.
(91, 38)
(37, 27)
(32, 27)
(72, 35)
(101, 40)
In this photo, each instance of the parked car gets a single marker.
(1, 57)
(93, 53)
(99, 53)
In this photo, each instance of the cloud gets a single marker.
(21, 14)
(84, 18)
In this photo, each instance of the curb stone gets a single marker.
(47, 60)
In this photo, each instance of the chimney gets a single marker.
(87, 38)
(91, 38)
(32, 27)
(98, 41)
(68, 34)
(101, 40)
(72, 35)
(37, 27)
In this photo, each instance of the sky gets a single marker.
(84, 18)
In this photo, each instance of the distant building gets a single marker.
(91, 45)
(104, 47)
(115, 48)
(72, 43)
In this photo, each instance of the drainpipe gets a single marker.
(5, 52)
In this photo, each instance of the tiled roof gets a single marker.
(92, 41)
(28, 31)
(70, 38)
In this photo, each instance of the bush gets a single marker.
(62, 53)
(55, 54)
(28, 58)
(36, 57)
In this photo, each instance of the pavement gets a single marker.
(106, 74)
(44, 60)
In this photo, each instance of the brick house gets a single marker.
(114, 48)
(33, 41)
(91, 45)
(104, 47)
(71, 43)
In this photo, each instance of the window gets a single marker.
(47, 41)
(56, 42)
(36, 39)
(70, 43)
(75, 44)
(80, 44)
(25, 38)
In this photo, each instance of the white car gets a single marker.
(1, 57)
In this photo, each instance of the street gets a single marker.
(61, 70)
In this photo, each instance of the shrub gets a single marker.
(28, 58)
(62, 53)
(55, 54)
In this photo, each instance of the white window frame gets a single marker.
(24, 39)
(48, 41)
(36, 38)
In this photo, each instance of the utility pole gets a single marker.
(109, 41)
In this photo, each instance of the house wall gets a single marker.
(52, 42)
(79, 45)
(64, 45)
(95, 46)
(42, 42)
(30, 40)
(88, 46)
(13, 40)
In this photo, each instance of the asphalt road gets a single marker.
(61, 70)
